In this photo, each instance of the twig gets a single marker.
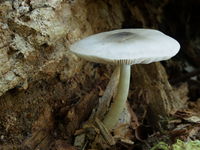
(105, 133)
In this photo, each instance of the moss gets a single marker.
(179, 145)
(191, 145)
(161, 146)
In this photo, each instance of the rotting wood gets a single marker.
(41, 135)
(81, 111)
(151, 88)
(39, 139)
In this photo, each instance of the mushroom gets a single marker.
(125, 47)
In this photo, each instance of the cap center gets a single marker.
(122, 36)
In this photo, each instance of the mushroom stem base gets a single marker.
(119, 102)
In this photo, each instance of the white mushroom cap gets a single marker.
(127, 46)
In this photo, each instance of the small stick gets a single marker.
(105, 133)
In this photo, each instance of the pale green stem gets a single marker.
(119, 102)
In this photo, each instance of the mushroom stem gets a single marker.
(119, 102)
